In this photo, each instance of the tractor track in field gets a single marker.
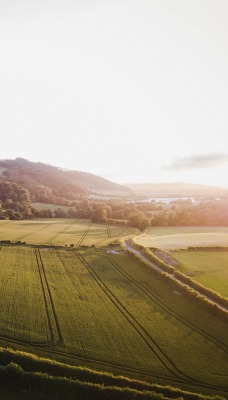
(113, 365)
(184, 377)
(50, 298)
(177, 279)
(55, 351)
(177, 372)
(30, 233)
(143, 333)
(167, 309)
(48, 348)
(109, 232)
(121, 232)
(112, 237)
(85, 233)
(13, 340)
(45, 298)
(58, 234)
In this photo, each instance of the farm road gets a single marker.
(143, 258)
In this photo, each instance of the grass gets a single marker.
(209, 268)
(10, 394)
(171, 238)
(62, 232)
(111, 312)
(52, 207)
(21, 300)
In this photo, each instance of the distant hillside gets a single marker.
(175, 189)
(46, 183)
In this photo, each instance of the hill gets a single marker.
(175, 189)
(47, 183)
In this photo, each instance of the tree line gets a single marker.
(15, 203)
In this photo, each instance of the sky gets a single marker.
(131, 90)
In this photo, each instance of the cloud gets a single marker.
(197, 161)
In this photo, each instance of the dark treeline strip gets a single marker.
(187, 290)
(35, 373)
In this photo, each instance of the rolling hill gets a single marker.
(47, 183)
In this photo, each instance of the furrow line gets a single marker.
(147, 338)
(58, 234)
(185, 378)
(84, 235)
(89, 360)
(30, 233)
(45, 299)
(166, 308)
(114, 237)
(108, 232)
(60, 337)
(118, 367)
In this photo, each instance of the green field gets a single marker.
(170, 238)
(62, 232)
(210, 268)
(110, 312)
(52, 207)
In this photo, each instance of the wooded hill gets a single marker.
(49, 184)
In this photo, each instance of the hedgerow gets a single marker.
(49, 377)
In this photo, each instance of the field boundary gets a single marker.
(167, 309)
(55, 338)
(203, 290)
(199, 297)
(177, 372)
(56, 328)
(30, 364)
(132, 320)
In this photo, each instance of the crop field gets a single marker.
(62, 232)
(208, 267)
(109, 311)
(52, 207)
(170, 238)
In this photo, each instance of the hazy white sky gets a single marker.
(132, 90)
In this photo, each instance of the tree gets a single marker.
(60, 213)
(99, 215)
(144, 223)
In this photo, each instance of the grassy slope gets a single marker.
(206, 267)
